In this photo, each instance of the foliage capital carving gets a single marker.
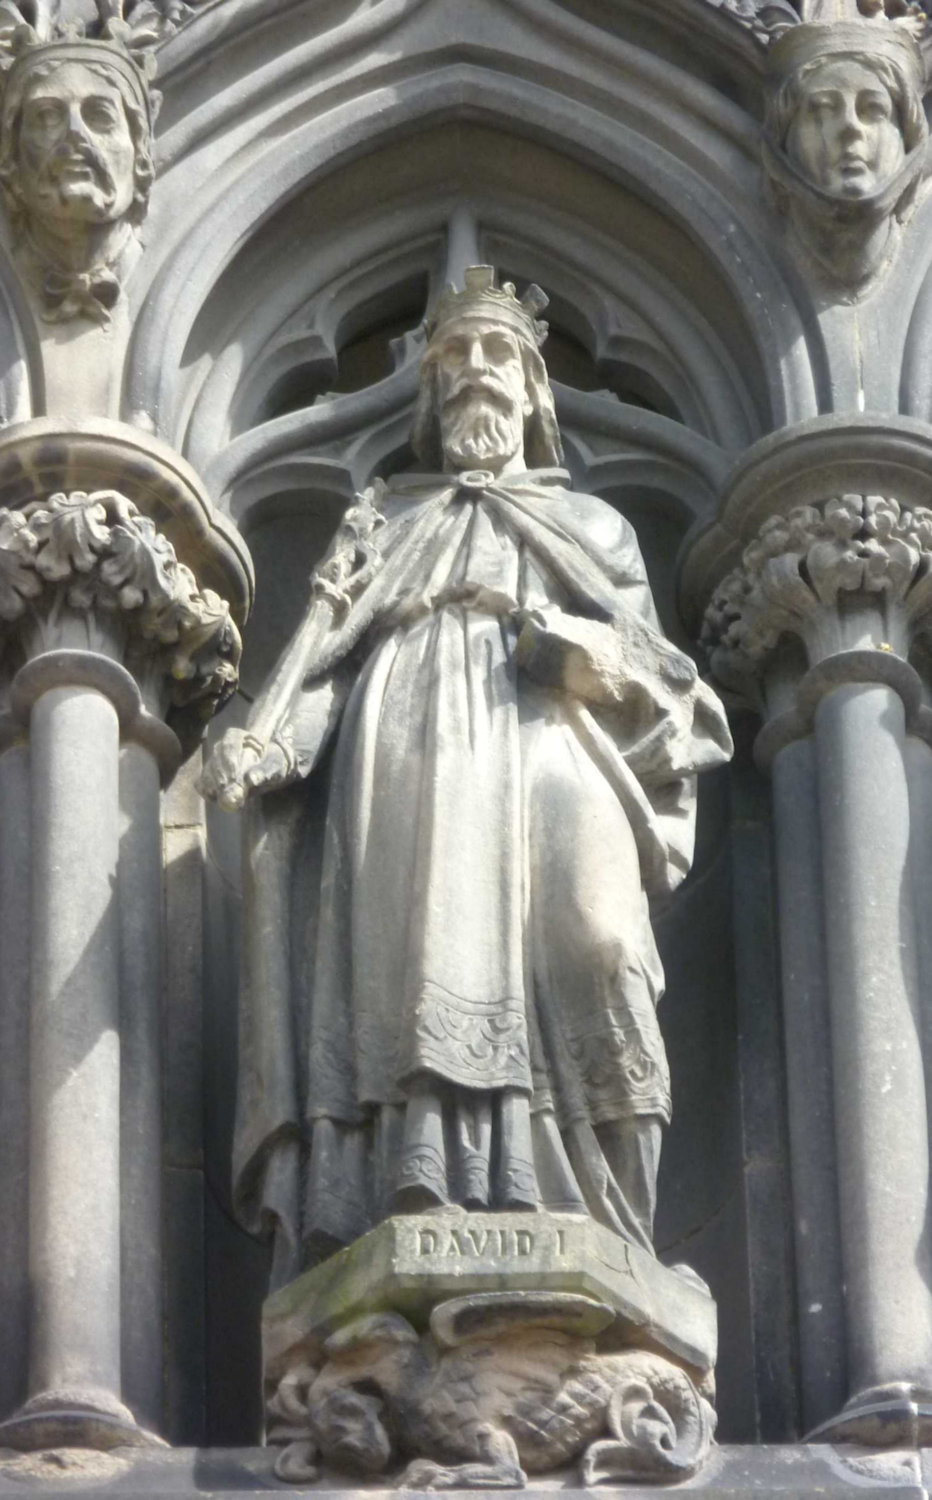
(805, 574)
(96, 553)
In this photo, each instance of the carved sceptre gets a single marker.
(259, 755)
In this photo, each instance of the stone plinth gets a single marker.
(484, 1347)
(411, 1263)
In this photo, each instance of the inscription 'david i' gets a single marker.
(486, 1243)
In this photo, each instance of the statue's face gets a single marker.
(482, 394)
(76, 151)
(846, 136)
(348, 1427)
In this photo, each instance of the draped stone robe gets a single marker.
(450, 979)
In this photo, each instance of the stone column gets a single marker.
(847, 580)
(140, 872)
(14, 1059)
(808, 1050)
(72, 702)
(120, 653)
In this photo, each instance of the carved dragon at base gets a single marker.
(503, 1385)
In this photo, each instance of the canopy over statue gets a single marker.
(450, 978)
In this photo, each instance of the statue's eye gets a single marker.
(874, 107)
(498, 350)
(99, 114)
(44, 116)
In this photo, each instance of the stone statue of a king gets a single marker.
(450, 978)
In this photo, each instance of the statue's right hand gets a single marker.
(223, 779)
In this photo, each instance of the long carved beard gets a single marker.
(474, 432)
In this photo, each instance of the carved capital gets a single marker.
(850, 573)
(94, 562)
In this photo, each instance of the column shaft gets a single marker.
(141, 1083)
(919, 772)
(808, 1043)
(75, 1084)
(879, 1088)
(14, 1073)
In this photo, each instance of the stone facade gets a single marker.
(245, 252)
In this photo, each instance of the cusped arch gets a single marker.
(714, 249)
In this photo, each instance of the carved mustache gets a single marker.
(467, 389)
(70, 155)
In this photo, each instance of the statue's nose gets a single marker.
(475, 355)
(852, 126)
(75, 128)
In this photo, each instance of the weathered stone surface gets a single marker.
(734, 1472)
(520, 966)
(76, 155)
(413, 1261)
(504, 1383)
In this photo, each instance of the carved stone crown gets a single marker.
(910, 14)
(122, 40)
(772, 20)
(481, 298)
(878, 36)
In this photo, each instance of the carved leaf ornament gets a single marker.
(793, 572)
(97, 552)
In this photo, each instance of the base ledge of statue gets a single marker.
(411, 1263)
(733, 1472)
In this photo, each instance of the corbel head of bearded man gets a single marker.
(485, 401)
(76, 166)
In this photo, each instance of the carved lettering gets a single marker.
(485, 1243)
